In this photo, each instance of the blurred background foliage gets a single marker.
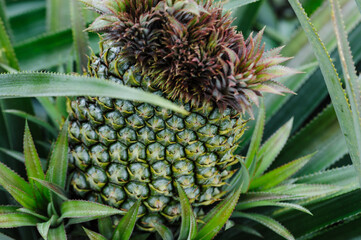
(41, 34)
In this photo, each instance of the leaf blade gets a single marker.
(126, 225)
(47, 84)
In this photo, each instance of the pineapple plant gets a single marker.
(186, 51)
(258, 184)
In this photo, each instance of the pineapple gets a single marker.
(185, 51)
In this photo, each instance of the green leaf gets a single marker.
(54, 188)
(249, 205)
(105, 226)
(80, 37)
(32, 212)
(272, 147)
(57, 14)
(93, 235)
(32, 160)
(126, 225)
(8, 209)
(14, 220)
(14, 154)
(333, 83)
(17, 187)
(241, 179)
(7, 54)
(343, 176)
(256, 136)
(43, 228)
(51, 50)
(48, 84)
(4, 18)
(57, 233)
(266, 196)
(305, 190)
(33, 119)
(248, 230)
(327, 215)
(268, 222)
(163, 231)
(218, 216)
(58, 164)
(278, 175)
(81, 209)
(51, 110)
(19, 156)
(188, 229)
(4, 237)
(232, 4)
(353, 85)
(74, 221)
(322, 134)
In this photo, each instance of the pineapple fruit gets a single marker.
(185, 51)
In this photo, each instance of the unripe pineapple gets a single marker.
(186, 51)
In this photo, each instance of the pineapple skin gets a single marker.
(122, 151)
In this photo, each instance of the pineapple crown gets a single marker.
(190, 50)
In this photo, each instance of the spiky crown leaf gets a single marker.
(190, 50)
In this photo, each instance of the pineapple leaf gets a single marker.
(268, 222)
(4, 237)
(74, 221)
(233, 4)
(248, 230)
(8, 56)
(353, 85)
(93, 235)
(17, 187)
(33, 119)
(80, 38)
(278, 175)
(51, 110)
(343, 176)
(54, 188)
(105, 227)
(358, 4)
(305, 190)
(256, 137)
(14, 154)
(34, 213)
(32, 160)
(241, 178)
(58, 164)
(8, 209)
(14, 220)
(99, 7)
(242, 206)
(43, 228)
(19, 156)
(333, 84)
(271, 148)
(126, 225)
(163, 231)
(218, 216)
(266, 196)
(323, 135)
(327, 214)
(48, 84)
(188, 228)
(5, 19)
(82, 209)
(57, 14)
(57, 233)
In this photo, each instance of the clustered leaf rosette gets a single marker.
(190, 51)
